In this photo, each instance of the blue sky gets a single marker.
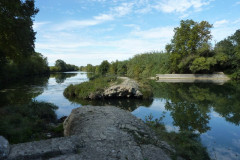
(90, 31)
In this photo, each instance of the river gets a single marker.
(212, 110)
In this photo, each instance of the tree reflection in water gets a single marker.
(188, 116)
(61, 77)
(23, 119)
(190, 104)
(127, 104)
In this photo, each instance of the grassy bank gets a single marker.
(94, 85)
(29, 122)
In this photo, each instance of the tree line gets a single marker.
(190, 51)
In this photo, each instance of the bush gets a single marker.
(29, 122)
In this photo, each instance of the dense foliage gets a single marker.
(24, 119)
(228, 51)
(28, 122)
(17, 55)
(190, 51)
(61, 66)
(189, 42)
(142, 65)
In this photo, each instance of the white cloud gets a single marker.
(223, 152)
(84, 59)
(104, 17)
(180, 6)
(119, 11)
(75, 24)
(94, 51)
(237, 3)
(220, 23)
(226, 28)
(236, 143)
(236, 21)
(155, 33)
(134, 26)
(75, 40)
(122, 10)
(37, 25)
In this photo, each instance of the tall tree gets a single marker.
(16, 33)
(188, 38)
(230, 47)
(61, 65)
(104, 67)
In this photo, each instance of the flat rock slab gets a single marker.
(113, 133)
(45, 149)
(97, 133)
(4, 147)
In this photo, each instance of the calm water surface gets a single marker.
(208, 109)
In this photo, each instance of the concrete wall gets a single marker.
(192, 76)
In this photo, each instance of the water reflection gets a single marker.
(21, 118)
(127, 104)
(189, 116)
(210, 109)
(23, 91)
(191, 104)
(61, 77)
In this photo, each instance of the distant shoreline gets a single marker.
(218, 78)
(193, 76)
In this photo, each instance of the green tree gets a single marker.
(17, 55)
(17, 35)
(113, 68)
(230, 47)
(187, 40)
(202, 64)
(90, 68)
(61, 65)
(104, 67)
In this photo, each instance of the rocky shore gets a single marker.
(128, 88)
(97, 133)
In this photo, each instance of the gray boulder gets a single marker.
(128, 88)
(97, 133)
(4, 147)
(112, 133)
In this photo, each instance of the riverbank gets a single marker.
(98, 132)
(108, 132)
(196, 101)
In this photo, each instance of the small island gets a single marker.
(109, 88)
